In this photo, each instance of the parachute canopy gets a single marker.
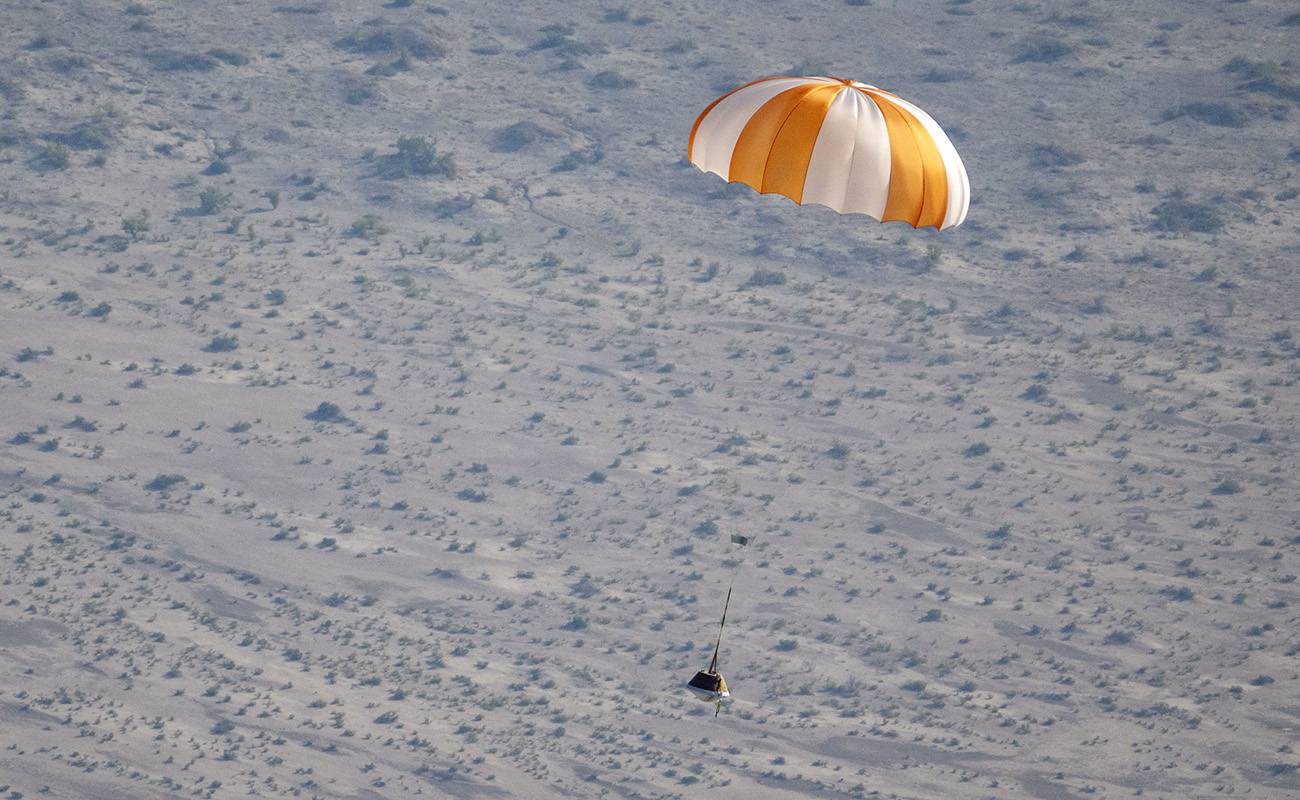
(838, 143)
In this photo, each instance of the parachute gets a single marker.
(838, 143)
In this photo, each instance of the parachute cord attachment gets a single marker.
(713, 665)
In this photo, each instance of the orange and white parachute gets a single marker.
(838, 143)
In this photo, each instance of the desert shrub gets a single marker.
(584, 587)
(1051, 155)
(1226, 487)
(1262, 76)
(358, 93)
(177, 61)
(579, 158)
(65, 64)
(113, 243)
(1095, 306)
(975, 450)
(11, 90)
(1177, 214)
(387, 70)
(513, 138)
(418, 156)
(448, 207)
(52, 156)
(1118, 637)
(1044, 197)
(136, 227)
(100, 310)
(764, 277)
(1040, 50)
(610, 79)
(1035, 392)
(706, 528)
(472, 495)
(30, 354)
(366, 227)
(212, 200)
(326, 412)
(553, 36)
(98, 132)
(163, 482)
(232, 57)
(218, 167)
(377, 37)
(1223, 115)
(221, 344)
(1205, 327)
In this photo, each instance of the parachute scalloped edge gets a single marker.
(823, 205)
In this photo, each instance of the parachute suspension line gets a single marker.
(713, 665)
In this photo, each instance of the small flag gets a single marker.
(736, 538)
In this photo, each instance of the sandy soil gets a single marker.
(326, 478)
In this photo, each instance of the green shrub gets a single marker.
(52, 156)
(1177, 214)
(162, 482)
(222, 344)
(1040, 50)
(176, 61)
(326, 412)
(212, 200)
(377, 38)
(765, 277)
(416, 156)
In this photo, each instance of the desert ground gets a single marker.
(380, 389)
